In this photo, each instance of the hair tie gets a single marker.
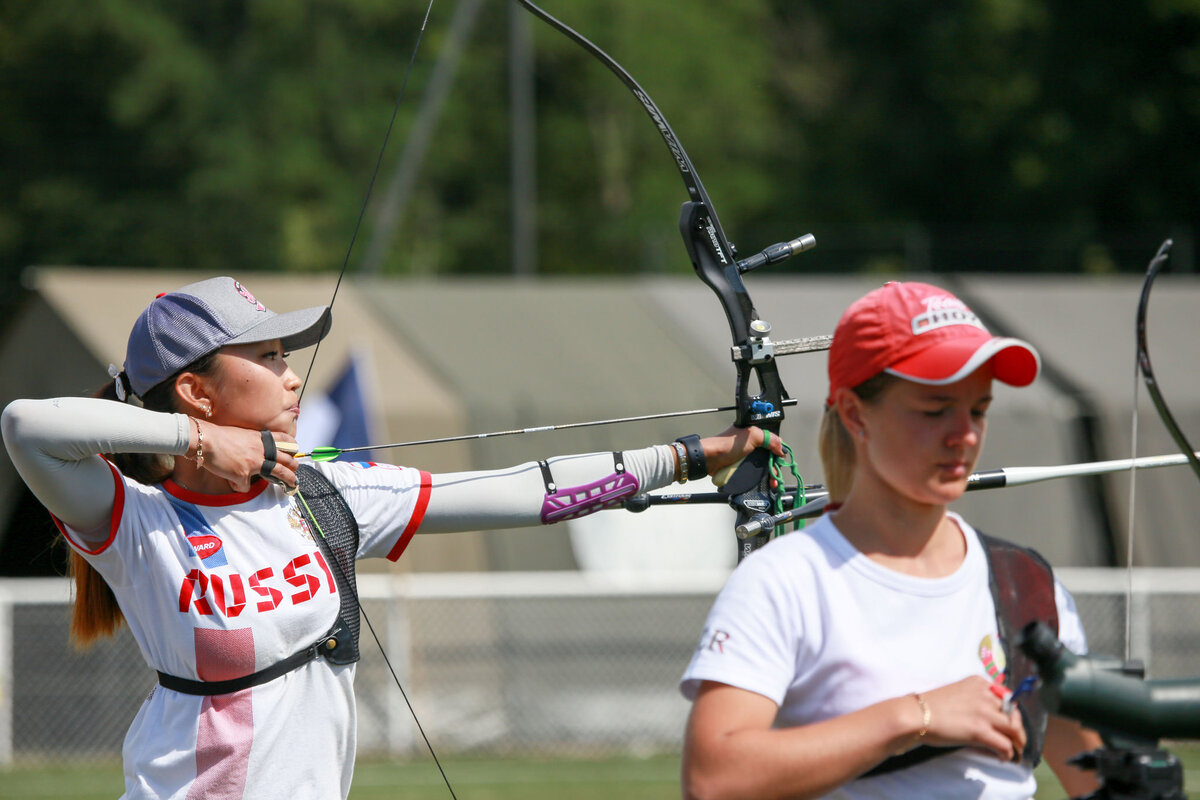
(118, 383)
(121, 385)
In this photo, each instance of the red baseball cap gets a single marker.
(924, 334)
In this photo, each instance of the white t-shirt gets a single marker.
(219, 586)
(821, 630)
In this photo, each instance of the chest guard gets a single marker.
(336, 532)
(1022, 585)
(1022, 588)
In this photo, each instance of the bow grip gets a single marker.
(749, 492)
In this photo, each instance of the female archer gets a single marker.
(187, 531)
(866, 656)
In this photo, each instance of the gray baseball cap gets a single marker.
(182, 326)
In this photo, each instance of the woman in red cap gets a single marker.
(863, 657)
(186, 532)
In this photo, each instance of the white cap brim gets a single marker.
(1013, 361)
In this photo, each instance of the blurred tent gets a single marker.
(450, 358)
(75, 321)
(1085, 330)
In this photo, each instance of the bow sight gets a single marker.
(1130, 714)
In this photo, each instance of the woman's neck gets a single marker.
(187, 475)
(895, 531)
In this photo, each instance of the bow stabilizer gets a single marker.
(749, 490)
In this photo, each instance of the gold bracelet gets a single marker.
(199, 444)
(925, 715)
(681, 454)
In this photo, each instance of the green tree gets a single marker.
(986, 121)
(229, 135)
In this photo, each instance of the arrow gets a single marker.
(330, 453)
(987, 479)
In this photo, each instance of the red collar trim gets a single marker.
(198, 498)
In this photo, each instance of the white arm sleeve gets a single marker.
(511, 498)
(54, 445)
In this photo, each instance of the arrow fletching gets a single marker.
(321, 454)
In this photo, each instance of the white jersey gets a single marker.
(821, 630)
(215, 587)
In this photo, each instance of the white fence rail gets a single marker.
(500, 662)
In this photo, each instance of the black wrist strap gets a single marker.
(697, 464)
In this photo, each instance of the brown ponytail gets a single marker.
(96, 614)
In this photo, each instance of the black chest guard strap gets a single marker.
(1022, 586)
(335, 531)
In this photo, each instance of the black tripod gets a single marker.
(1131, 714)
(1134, 773)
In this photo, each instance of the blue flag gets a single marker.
(341, 416)
(348, 395)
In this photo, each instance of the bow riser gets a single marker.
(714, 259)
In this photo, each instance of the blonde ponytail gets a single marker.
(836, 448)
(835, 444)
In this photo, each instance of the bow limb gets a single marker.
(1143, 360)
(1164, 412)
(749, 491)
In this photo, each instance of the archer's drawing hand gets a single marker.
(970, 713)
(237, 456)
(731, 445)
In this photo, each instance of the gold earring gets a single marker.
(208, 413)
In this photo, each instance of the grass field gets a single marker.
(654, 778)
(473, 779)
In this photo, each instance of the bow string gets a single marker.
(329, 321)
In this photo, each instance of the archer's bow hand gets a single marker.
(733, 444)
